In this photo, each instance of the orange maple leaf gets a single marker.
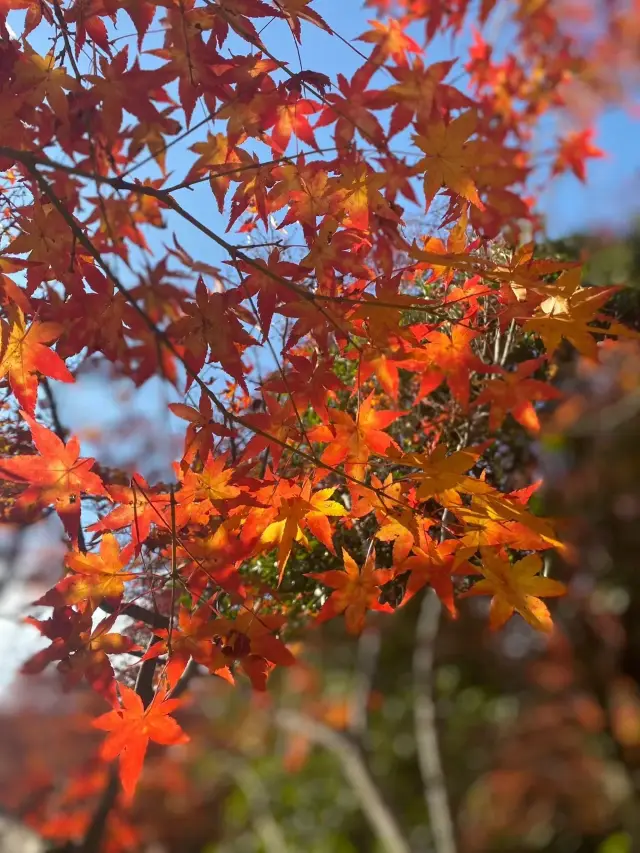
(516, 588)
(356, 591)
(94, 576)
(447, 357)
(352, 442)
(139, 506)
(567, 309)
(277, 429)
(434, 563)
(132, 727)
(198, 439)
(390, 40)
(23, 354)
(250, 639)
(192, 637)
(573, 150)
(515, 393)
(296, 11)
(351, 109)
(201, 491)
(441, 475)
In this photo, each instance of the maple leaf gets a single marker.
(132, 727)
(395, 511)
(202, 491)
(482, 527)
(216, 558)
(352, 442)
(446, 357)
(86, 17)
(82, 651)
(434, 563)
(419, 90)
(573, 150)
(567, 311)
(516, 588)
(95, 576)
(390, 40)
(150, 134)
(358, 194)
(449, 158)
(383, 363)
(192, 637)
(312, 383)
(275, 429)
(139, 506)
(250, 639)
(270, 292)
(355, 591)
(56, 476)
(515, 393)
(212, 324)
(198, 440)
(38, 77)
(216, 157)
(296, 11)
(23, 354)
(302, 508)
(441, 475)
(141, 13)
(36, 10)
(351, 109)
(291, 118)
(490, 510)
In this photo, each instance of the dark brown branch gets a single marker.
(138, 613)
(63, 435)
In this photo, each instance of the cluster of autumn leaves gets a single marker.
(250, 482)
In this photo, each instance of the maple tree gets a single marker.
(347, 391)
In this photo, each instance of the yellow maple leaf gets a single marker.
(447, 161)
(442, 476)
(516, 588)
(23, 354)
(567, 310)
(302, 509)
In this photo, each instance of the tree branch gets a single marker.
(426, 732)
(367, 658)
(375, 809)
(266, 826)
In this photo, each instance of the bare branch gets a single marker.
(426, 732)
(266, 826)
(368, 651)
(375, 809)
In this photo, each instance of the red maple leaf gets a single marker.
(56, 476)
